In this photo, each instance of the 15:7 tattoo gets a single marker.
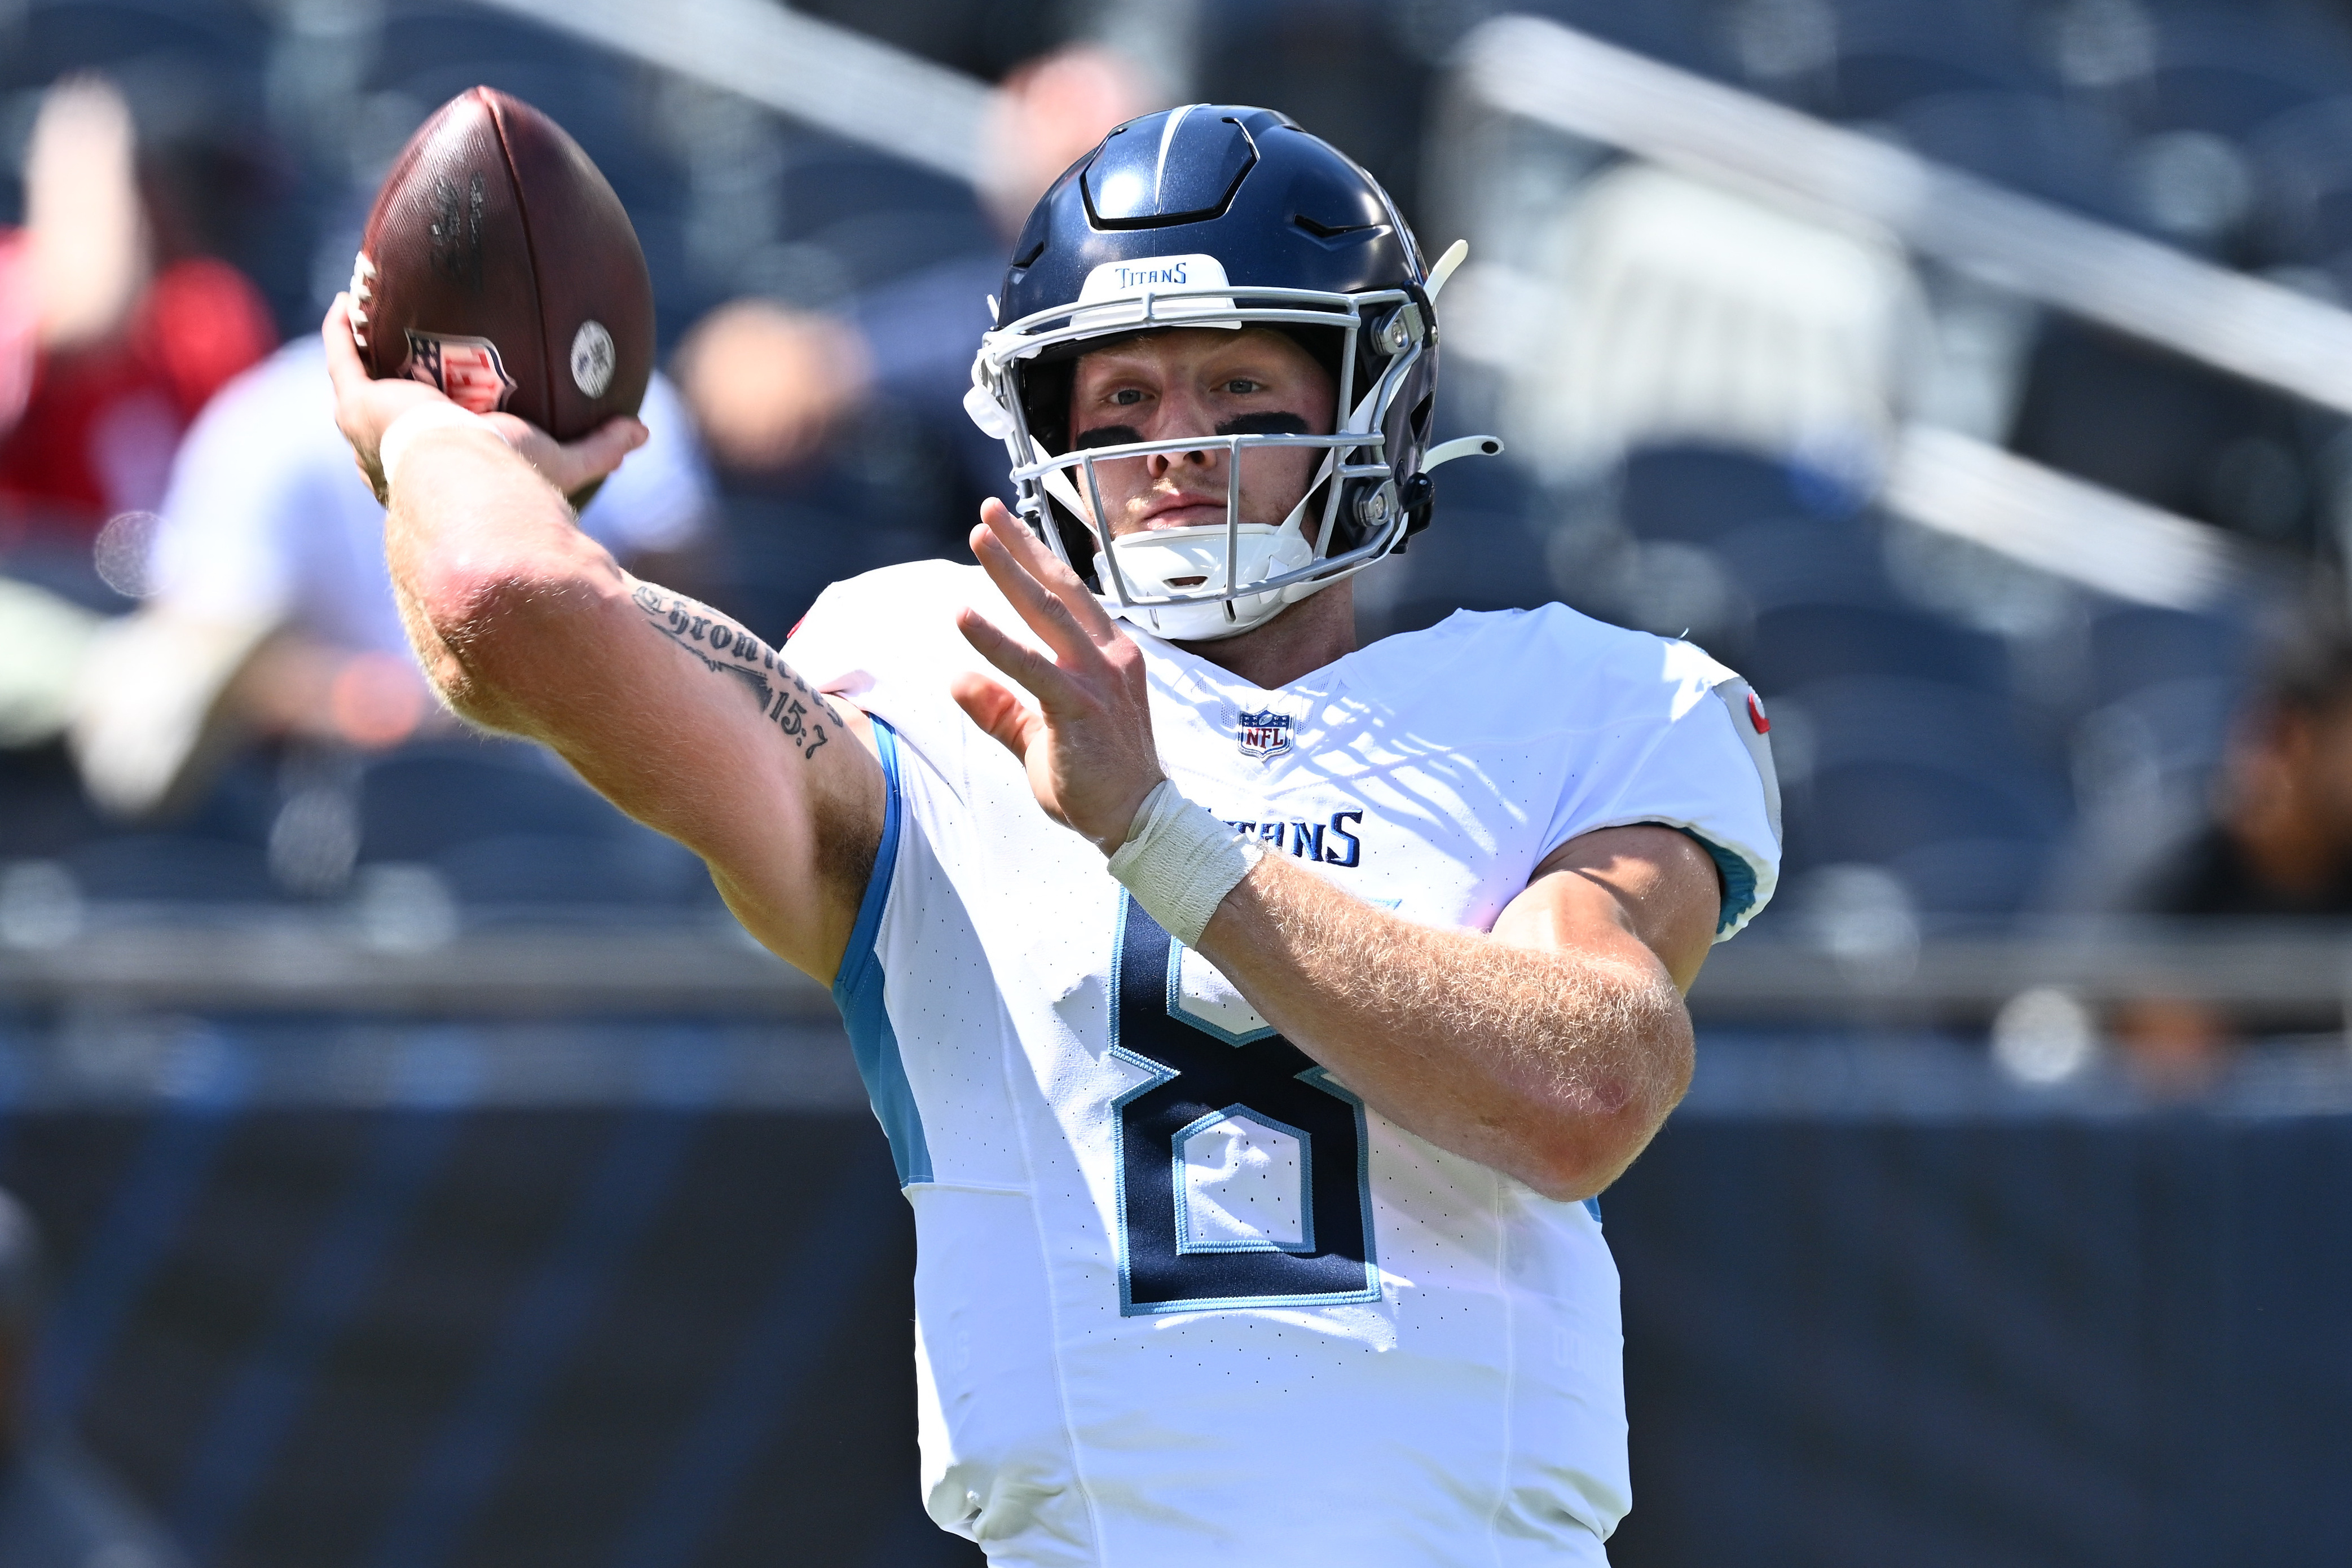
(727, 649)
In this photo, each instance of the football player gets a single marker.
(1253, 1015)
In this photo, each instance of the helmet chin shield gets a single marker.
(1164, 563)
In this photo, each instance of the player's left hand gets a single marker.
(1088, 745)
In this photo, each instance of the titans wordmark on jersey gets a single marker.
(1179, 1290)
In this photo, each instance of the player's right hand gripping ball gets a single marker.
(499, 267)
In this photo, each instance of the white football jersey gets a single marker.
(1181, 1295)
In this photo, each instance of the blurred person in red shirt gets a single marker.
(114, 333)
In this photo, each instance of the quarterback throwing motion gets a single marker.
(1253, 1015)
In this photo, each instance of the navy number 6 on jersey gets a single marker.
(1243, 1172)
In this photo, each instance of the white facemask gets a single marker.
(1190, 563)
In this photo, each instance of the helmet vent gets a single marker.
(1179, 167)
(1333, 231)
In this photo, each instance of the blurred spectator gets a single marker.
(59, 1507)
(44, 639)
(770, 384)
(2277, 844)
(269, 609)
(113, 335)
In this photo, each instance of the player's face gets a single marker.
(1200, 380)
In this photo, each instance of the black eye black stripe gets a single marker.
(1272, 422)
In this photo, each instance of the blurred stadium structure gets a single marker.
(439, 1174)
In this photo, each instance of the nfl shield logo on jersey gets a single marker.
(1264, 734)
(468, 371)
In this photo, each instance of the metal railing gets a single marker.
(823, 75)
(1572, 82)
(1539, 72)
(225, 961)
(2264, 975)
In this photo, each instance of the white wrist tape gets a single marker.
(1179, 862)
(402, 433)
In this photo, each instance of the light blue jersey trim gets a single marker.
(1321, 1076)
(857, 991)
(1154, 1075)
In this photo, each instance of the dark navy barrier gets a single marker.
(329, 1293)
(1883, 1309)
(638, 1297)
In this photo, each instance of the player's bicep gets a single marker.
(1644, 884)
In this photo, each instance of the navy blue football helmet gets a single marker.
(1220, 215)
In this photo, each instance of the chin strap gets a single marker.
(1056, 484)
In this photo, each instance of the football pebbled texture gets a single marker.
(499, 266)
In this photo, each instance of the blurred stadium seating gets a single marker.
(350, 1272)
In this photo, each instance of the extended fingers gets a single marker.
(1047, 568)
(996, 710)
(603, 448)
(1045, 678)
(1047, 614)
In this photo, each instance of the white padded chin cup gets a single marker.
(1192, 561)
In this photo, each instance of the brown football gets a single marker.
(499, 267)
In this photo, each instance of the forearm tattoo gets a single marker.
(727, 649)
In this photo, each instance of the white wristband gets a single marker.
(402, 433)
(1179, 862)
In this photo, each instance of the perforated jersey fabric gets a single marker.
(1178, 1291)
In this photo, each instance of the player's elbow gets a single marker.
(1580, 1161)
(1591, 1128)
